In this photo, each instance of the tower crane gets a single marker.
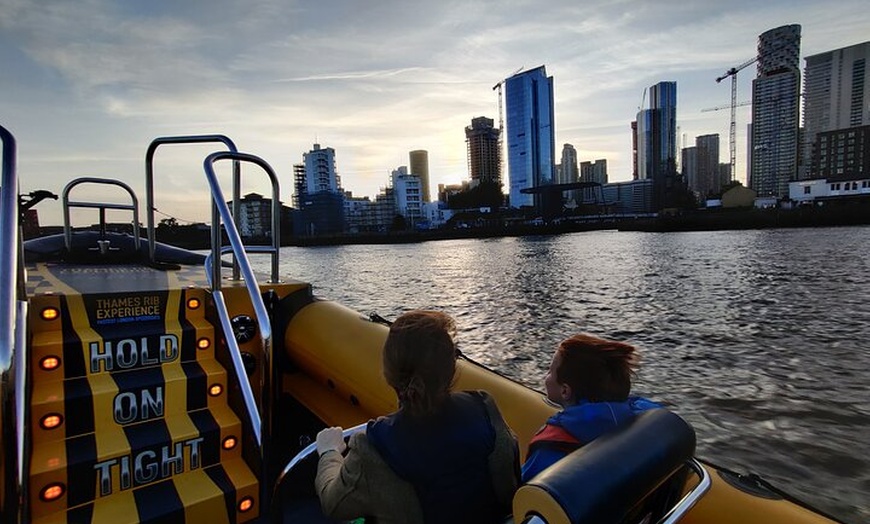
(500, 110)
(726, 106)
(732, 137)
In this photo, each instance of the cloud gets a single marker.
(372, 80)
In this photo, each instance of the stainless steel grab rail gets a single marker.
(102, 206)
(11, 388)
(676, 513)
(149, 179)
(276, 514)
(692, 497)
(221, 214)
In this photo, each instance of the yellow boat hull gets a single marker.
(339, 378)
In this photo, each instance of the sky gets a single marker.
(86, 85)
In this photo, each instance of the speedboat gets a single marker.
(146, 383)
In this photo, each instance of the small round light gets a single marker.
(193, 303)
(49, 313)
(229, 443)
(215, 390)
(203, 343)
(49, 363)
(246, 504)
(52, 492)
(51, 421)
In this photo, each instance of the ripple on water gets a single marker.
(760, 339)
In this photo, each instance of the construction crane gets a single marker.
(732, 137)
(501, 116)
(726, 106)
(500, 110)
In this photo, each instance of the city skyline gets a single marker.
(92, 83)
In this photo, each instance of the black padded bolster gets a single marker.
(84, 243)
(604, 480)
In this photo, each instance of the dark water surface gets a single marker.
(760, 339)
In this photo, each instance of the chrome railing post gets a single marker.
(101, 206)
(10, 389)
(149, 174)
(221, 214)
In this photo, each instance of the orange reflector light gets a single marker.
(229, 443)
(193, 303)
(246, 504)
(52, 492)
(215, 390)
(49, 313)
(203, 343)
(49, 363)
(51, 421)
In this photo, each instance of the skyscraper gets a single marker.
(836, 96)
(419, 162)
(707, 165)
(531, 137)
(484, 155)
(569, 171)
(689, 166)
(776, 111)
(657, 143)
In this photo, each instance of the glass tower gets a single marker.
(531, 137)
(657, 143)
(776, 112)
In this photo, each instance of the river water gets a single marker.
(760, 339)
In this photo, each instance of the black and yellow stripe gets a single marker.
(146, 432)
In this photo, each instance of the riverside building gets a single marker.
(656, 139)
(419, 163)
(776, 112)
(836, 97)
(531, 140)
(484, 153)
(319, 198)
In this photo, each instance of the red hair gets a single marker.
(596, 369)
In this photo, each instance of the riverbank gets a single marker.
(856, 212)
(701, 220)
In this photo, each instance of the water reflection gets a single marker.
(761, 339)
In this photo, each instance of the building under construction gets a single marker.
(484, 153)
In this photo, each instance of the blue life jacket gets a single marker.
(444, 457)
(575, 426)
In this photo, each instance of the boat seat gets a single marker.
(632, 475)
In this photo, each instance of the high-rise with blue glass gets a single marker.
(531, 139)
(657, 144)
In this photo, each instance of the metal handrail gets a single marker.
(678, 511)
(272, 250)
(221, 214)
(10, 388)
(306, 452)
(102, 206)
(22, 409)
(239, 367)
(692, 497)
(149, 180)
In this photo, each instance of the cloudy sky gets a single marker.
(85, 85)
